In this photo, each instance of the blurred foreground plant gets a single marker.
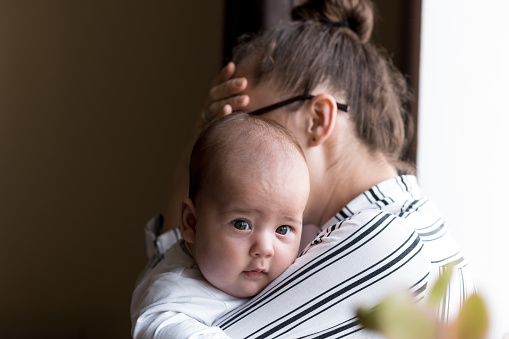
(399, 317)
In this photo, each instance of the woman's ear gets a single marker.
(323, 118)
(188, 220)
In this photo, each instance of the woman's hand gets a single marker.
(224, 98)
(224, 95)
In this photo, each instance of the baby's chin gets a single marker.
(245, 291)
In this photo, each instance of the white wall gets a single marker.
(463, 162)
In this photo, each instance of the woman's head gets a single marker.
(328, 46)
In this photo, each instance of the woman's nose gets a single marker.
(263, 246)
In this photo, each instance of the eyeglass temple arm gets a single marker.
(341, 107)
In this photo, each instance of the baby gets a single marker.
(241, 227)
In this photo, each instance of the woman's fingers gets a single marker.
(224, 95)
(225, 74)
(227, 106)
(227, 88)
(224, 86)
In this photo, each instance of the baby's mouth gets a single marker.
(255, 274)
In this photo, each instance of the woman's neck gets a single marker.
(344, 180)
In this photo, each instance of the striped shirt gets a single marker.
(387, 239)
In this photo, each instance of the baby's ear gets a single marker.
(188, 220)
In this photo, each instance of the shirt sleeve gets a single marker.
(156, 243)
(175, 325)
(172, 306)
(353, 263)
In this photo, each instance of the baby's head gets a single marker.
(249, 185)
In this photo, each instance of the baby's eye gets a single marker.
(284, 229)
(241, 225)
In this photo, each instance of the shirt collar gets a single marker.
(387, 195)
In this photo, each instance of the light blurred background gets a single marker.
(463, 153)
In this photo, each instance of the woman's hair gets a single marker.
(238, 138)
(328, 42)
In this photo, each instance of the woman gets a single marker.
(344, 102)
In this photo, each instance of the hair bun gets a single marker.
(354, 14)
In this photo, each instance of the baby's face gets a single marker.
(249, 223)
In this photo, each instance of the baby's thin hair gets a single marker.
(237, 137)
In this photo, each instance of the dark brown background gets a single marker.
(96, 101)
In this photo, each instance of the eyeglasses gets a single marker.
(266, 109)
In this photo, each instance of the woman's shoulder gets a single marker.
(372, 229)
(372, 220)
(378, 242)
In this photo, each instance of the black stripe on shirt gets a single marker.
(435, 231)
(377, 198)
(414, 206)
(429, 226)
(351, 324)
(343, 214)
(385, 199)
(407, 189)
(374, 194)
(445, 259)
(380, 191)
(420, 289)
(318, 239)
(411, 205)
(367, 198)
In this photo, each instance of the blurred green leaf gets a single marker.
(438, 290)
(472, 320)
(397, 317)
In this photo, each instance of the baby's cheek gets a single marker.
(284, 263)
(217, 275)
